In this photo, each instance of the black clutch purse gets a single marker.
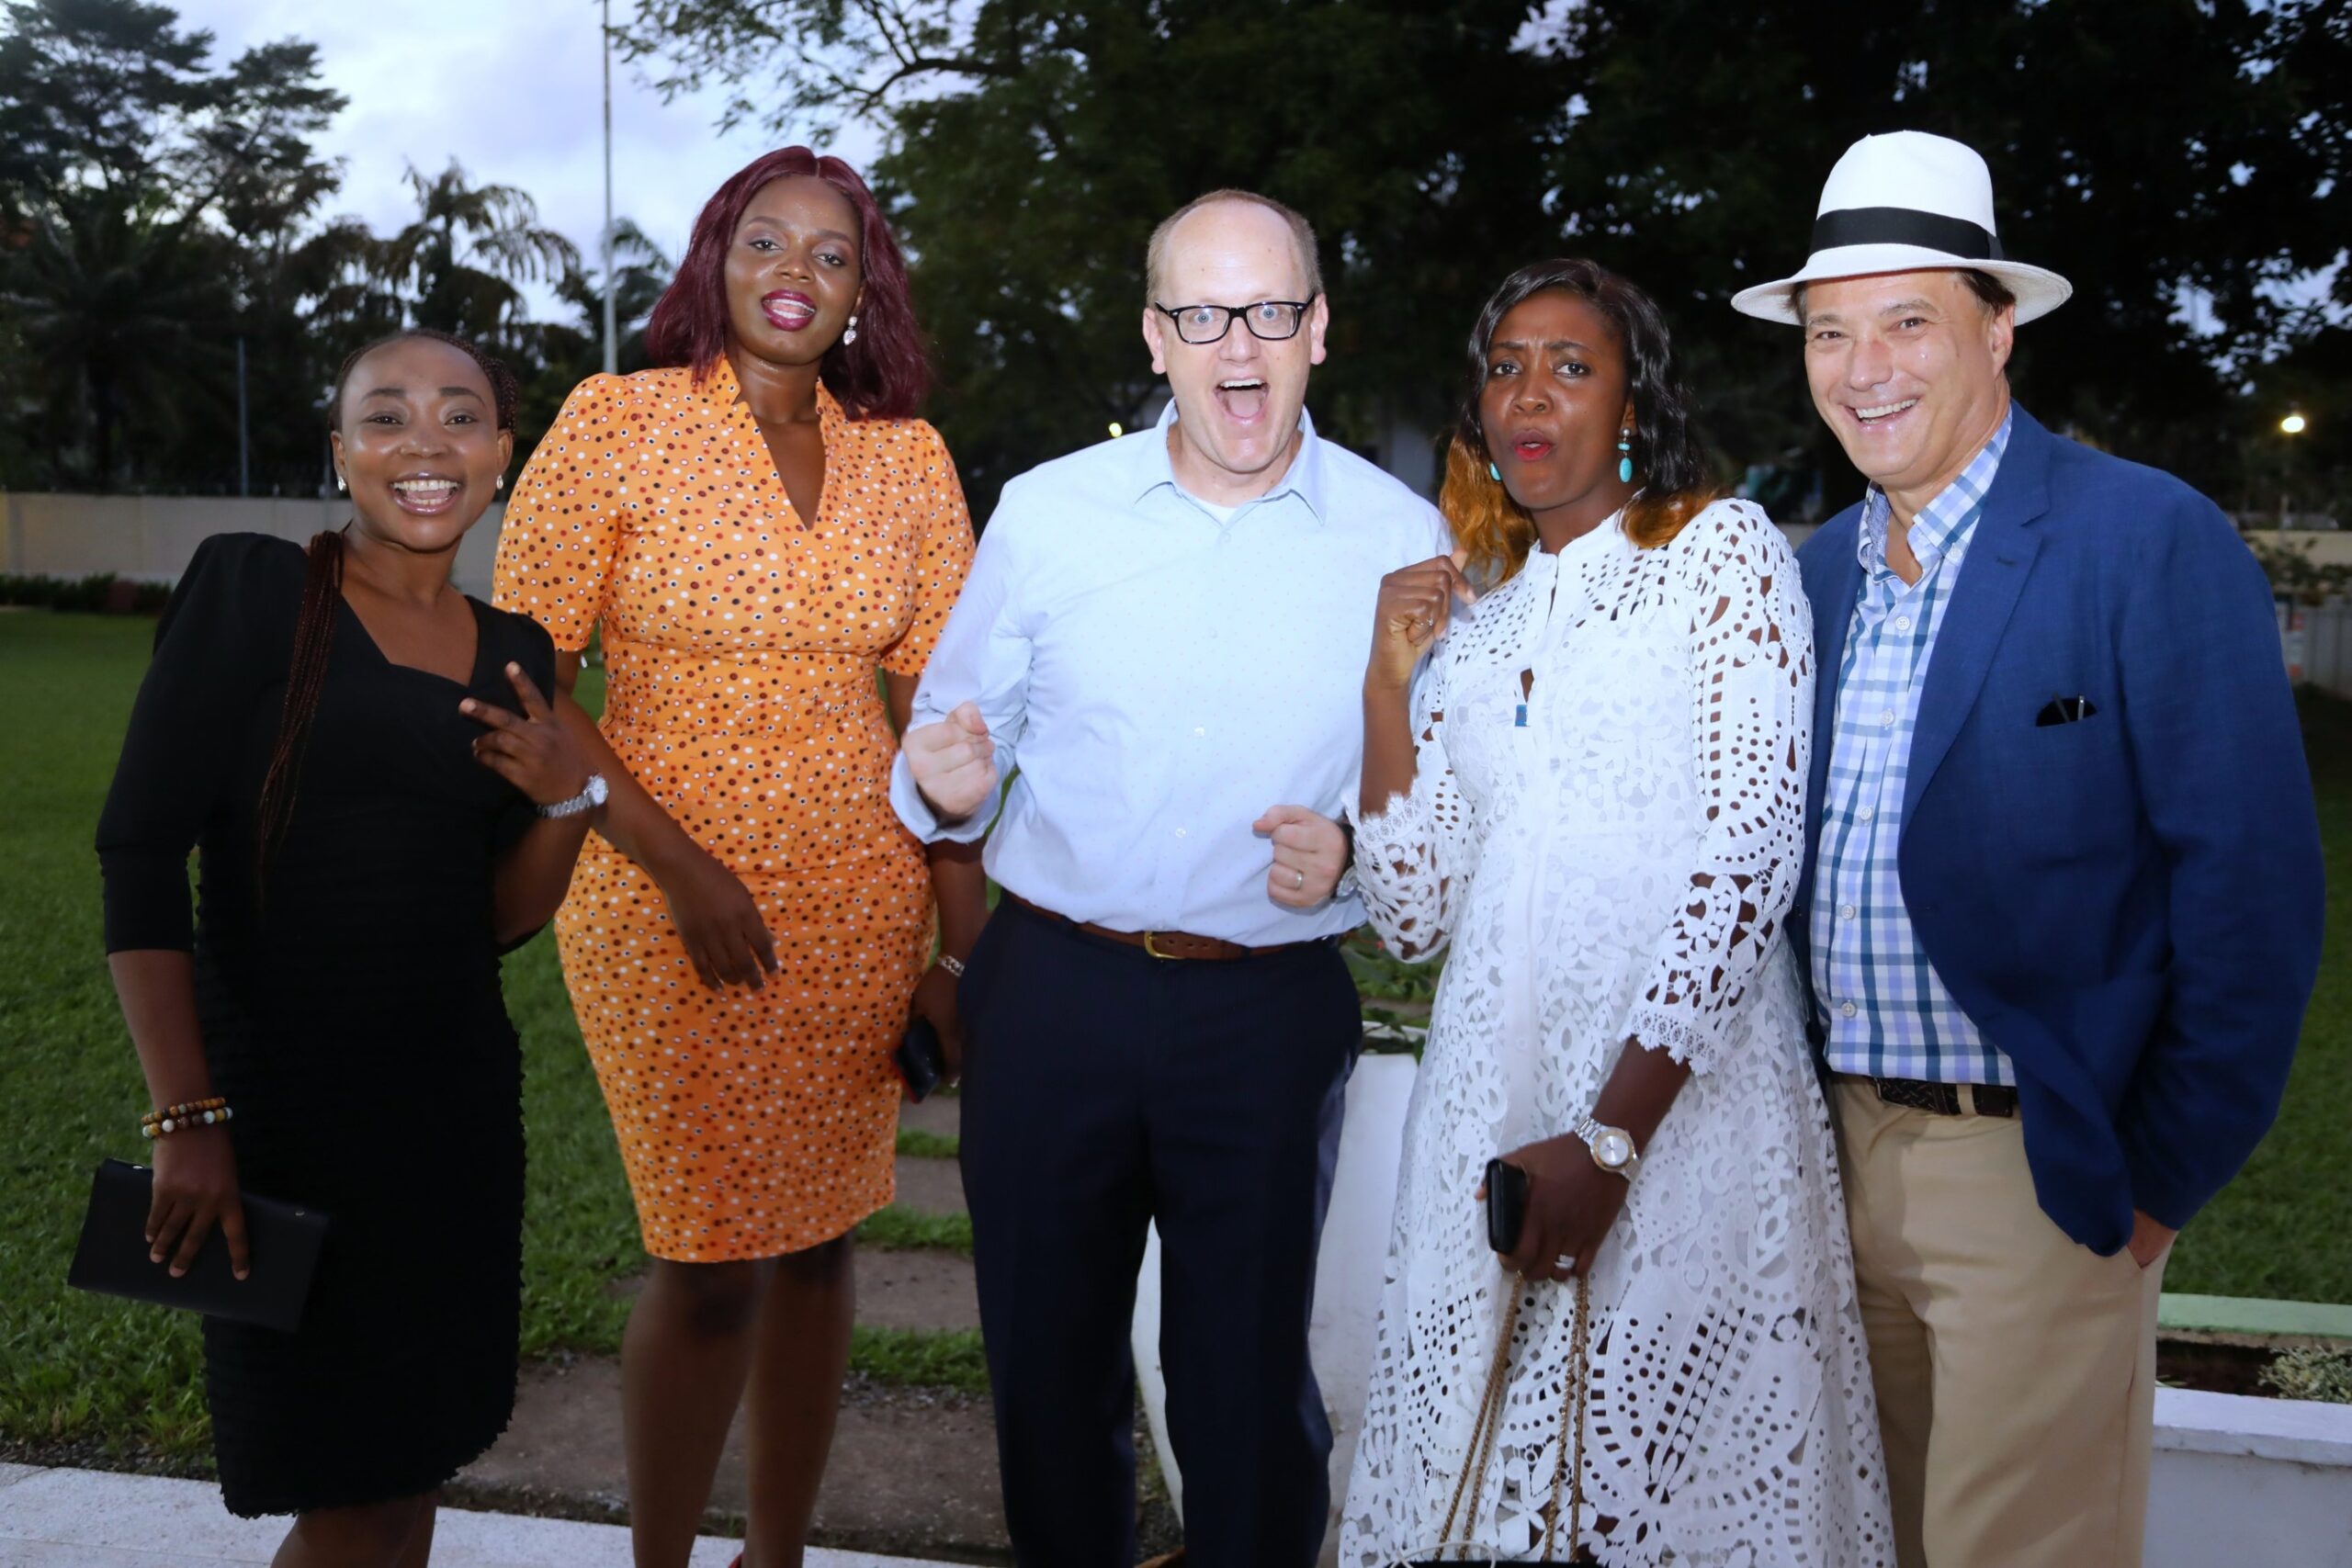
(282, 1242)
(921, 1059)
(1506, 1204)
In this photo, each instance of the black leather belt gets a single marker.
(1168, 944)
(1943, 1099)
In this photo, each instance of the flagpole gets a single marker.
(612, 344)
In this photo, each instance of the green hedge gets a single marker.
(102, 593)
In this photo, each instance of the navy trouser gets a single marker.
(1104, 1089)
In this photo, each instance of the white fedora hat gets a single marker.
(1905, 202)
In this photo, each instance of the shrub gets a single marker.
(102, 593)
(2312, 1373)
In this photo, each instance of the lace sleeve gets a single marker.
(1751, 663)
(1414, 859)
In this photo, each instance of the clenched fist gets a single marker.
(1310, 854)
(953, 762)
(1416, 602)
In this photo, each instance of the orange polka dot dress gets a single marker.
(740, 643)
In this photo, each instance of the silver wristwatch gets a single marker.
(1613, 1147)
(588, 799)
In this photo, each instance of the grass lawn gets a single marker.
(75, 1367)
(2278, 1230)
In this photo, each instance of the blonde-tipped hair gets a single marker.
(1672, 466)
(1496, 532)
(1301, 237)
(1490, 528)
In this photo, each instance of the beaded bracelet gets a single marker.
(190, 1108)
(179, 1118)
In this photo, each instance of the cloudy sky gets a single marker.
(513, 89)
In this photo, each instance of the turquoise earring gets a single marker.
(1494, 473)
(1625, 462)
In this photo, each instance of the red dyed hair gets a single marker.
(883, 375)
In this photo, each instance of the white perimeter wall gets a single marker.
(150, 537)
(2243, 1482)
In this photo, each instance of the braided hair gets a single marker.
(322, 590)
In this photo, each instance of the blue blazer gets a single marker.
(2128, 905)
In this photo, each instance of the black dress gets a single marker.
(352, 1018)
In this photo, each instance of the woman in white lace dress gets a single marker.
(1595, 795)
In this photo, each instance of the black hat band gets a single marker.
(1904, 226)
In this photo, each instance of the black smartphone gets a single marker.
(1506, 1204)
(921, 1060)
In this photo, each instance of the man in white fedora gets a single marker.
(2063, 893)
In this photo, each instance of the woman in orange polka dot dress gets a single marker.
(755, 530)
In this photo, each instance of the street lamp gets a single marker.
(2291, 425)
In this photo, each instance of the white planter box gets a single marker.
(1349, 1267)
(2245, 1483)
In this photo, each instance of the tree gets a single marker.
(1033, 151)
(257, 176)
(470, 245)
(110, 302)
(640, 273)
(2180, 163)
(163, 222)
(250, 158)
(91, 93)
(568, 352)
(162, 209)
(2183, 162)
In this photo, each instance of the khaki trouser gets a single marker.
(2015, 1369)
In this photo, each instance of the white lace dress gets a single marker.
(1617, 863)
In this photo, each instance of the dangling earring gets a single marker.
(1625, 462)
(850, 335)
(499, 483)
(340, 483)
(1494, 473)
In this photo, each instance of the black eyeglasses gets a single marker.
(1269, 320)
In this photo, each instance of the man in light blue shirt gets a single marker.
(1161, 645)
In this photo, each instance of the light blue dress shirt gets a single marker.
(1159, 676)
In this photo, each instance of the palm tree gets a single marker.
(640, 272)
(470, 245)
(310, 298)
(119, 309)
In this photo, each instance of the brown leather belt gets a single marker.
(1169, 945)
(1942, 1098)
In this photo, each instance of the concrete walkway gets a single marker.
(88, 1519)
(914, 1469)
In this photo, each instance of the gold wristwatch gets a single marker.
(1613, 1147)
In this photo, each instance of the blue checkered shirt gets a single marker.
(1886, 1010)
